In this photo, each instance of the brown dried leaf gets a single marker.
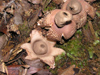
(3, 42)
(44, 72)
(15, 70)
(35, 66)
(3, 29)
(68, 71)
(32, 70)
(35, 63)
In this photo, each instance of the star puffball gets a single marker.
(41, 48)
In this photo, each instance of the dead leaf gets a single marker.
(3, 42)
(15, 70)
(44, 72)
(68, 71)
(32, 70)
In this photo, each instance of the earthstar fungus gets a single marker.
(60, 25)
(81, 17)
(41, 48)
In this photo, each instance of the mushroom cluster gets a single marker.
(58, 24)
(79, 9)
(65, 21)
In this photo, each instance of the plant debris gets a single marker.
(66, 52)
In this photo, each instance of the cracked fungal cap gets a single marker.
(60, 25)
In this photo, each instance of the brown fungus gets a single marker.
(62, 17)
(74, 6)
(63, 27)
(41, 48)
(81, 18)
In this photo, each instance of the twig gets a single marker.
(9, 4)
(92, 30)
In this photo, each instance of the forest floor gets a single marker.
(82, 50)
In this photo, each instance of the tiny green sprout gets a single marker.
(80, 64)
(48, 67)
(79, 31)
(90, 50)
(98, 14)
(96, 42)
(49, 8)
(96, 33)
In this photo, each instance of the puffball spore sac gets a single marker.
(74, 6)
(40, 47)
(62, 17)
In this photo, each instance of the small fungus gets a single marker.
(74, 6)
(60, 25)
(62, 17)
(41, 48)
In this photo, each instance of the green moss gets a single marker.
(59, 62)
(74, 49)
(50, 7)
(86, 26)
(24, 29)
(59, 57)
(96, 42)
(79, 32)
(90, 50)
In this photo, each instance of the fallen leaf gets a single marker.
(16, 69)
(32, 70)
(68, 71)
(3, 42)
(44, 72)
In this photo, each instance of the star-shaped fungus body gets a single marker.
(41, 48)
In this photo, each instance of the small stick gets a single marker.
(92, 30)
